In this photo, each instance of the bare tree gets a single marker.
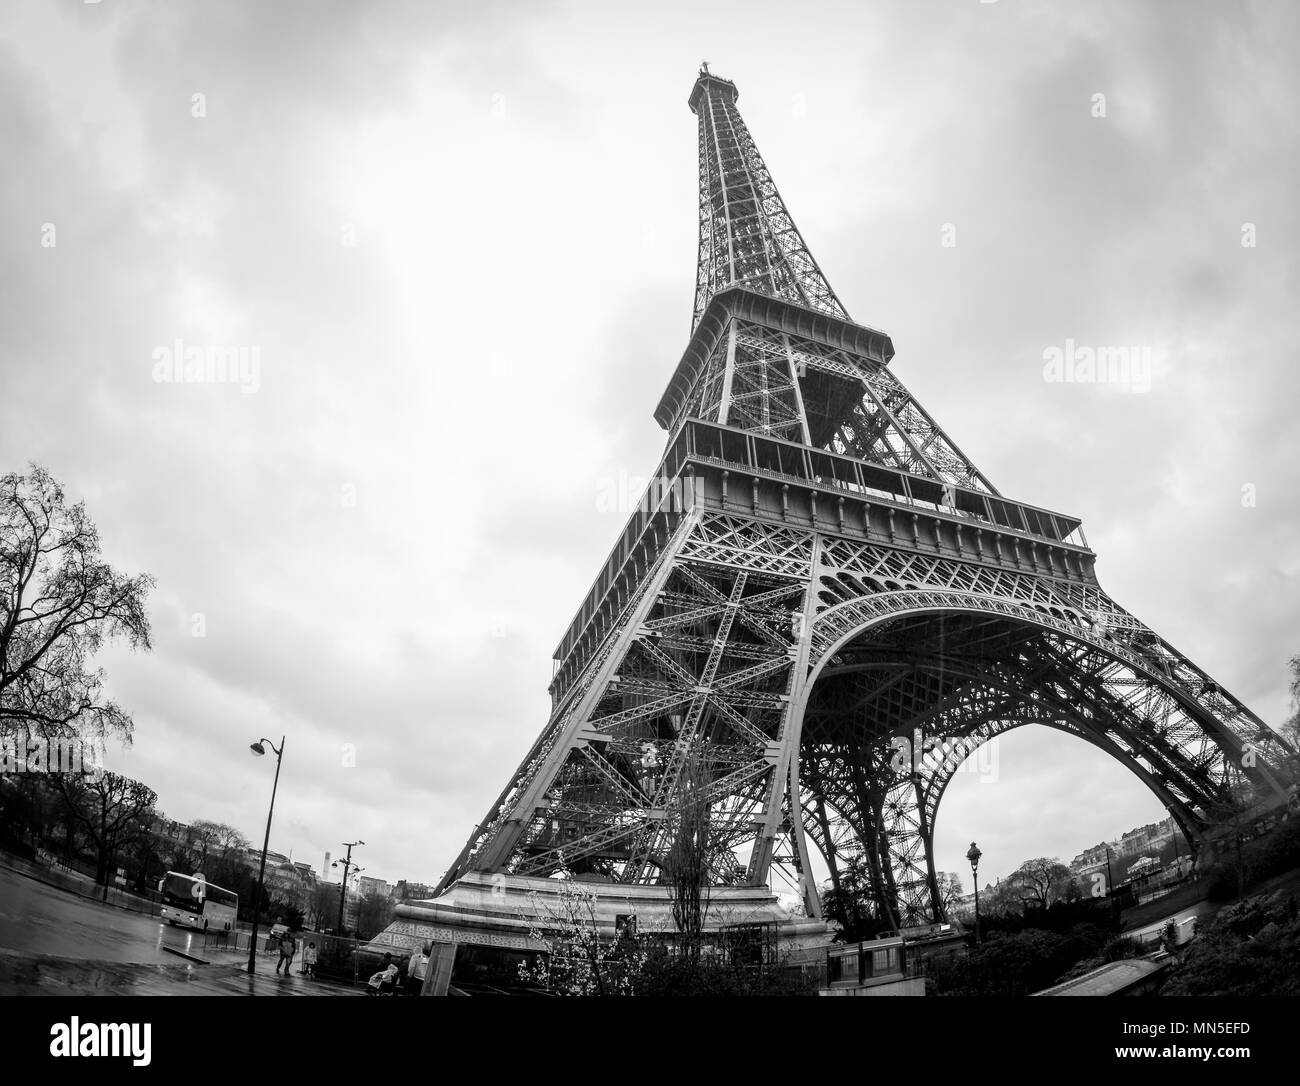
(688, 861)
(323, 904)
(1229, 816)
(217, 841)
(59, 603)
(949, 891)
(1291, 729)
(1041, 881)
(1003, 898)
(374, 913)
(113, 811)
(580, 960)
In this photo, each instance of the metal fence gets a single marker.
(63, 876)
(343, 960)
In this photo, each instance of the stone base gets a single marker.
(910, 986)
(501, 910)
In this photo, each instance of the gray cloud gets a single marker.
(485, 360)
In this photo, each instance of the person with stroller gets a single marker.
(385, 981)
(309, 960)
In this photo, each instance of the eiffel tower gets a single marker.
(820, 608)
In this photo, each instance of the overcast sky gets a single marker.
(461, 238)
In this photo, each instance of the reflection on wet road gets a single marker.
(40, 919)
(53, 942)
(27, 974)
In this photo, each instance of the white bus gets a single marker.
(193, 902)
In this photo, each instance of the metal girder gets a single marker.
(980, 677)
(747, 236)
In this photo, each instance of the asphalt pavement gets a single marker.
(53, 942)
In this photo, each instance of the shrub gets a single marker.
(1251, 948)
(665, 974)
(1122, 947)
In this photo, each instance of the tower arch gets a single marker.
(936, 673)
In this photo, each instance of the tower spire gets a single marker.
(747, 237)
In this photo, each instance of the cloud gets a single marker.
(387, 539)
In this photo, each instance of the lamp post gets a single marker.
(346, 863)
(259, 748)
(1178, 832)
(973, 854)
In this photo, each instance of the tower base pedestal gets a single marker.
(503, 911)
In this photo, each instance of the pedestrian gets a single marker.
(416, 968)
(288, 946)
(309, 959)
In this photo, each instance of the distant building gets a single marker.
(1092, 859)
(412, 891)
(253, 858)
(1150, 838)
(367, 886)
(963, 904)
(1131, 845)
(284, 880)
(1143, 866)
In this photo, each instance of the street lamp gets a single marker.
(259, 749)
(973, 854)
(1178, 832)
(346, 863)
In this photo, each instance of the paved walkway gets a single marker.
(1110, 979)
(224, 975)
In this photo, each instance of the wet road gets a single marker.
(39, 919)
(53, 942)
(24, 974)
(1202, 911)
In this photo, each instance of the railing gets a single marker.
(777, 458)
(63, 876)
(337, 958)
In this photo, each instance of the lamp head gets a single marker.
(257, 748)
(974, 854)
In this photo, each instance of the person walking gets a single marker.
(288, 946)
(309, 959)
(417, 968)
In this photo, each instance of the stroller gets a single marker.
(385, 982)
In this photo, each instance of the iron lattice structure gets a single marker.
(816, 579)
